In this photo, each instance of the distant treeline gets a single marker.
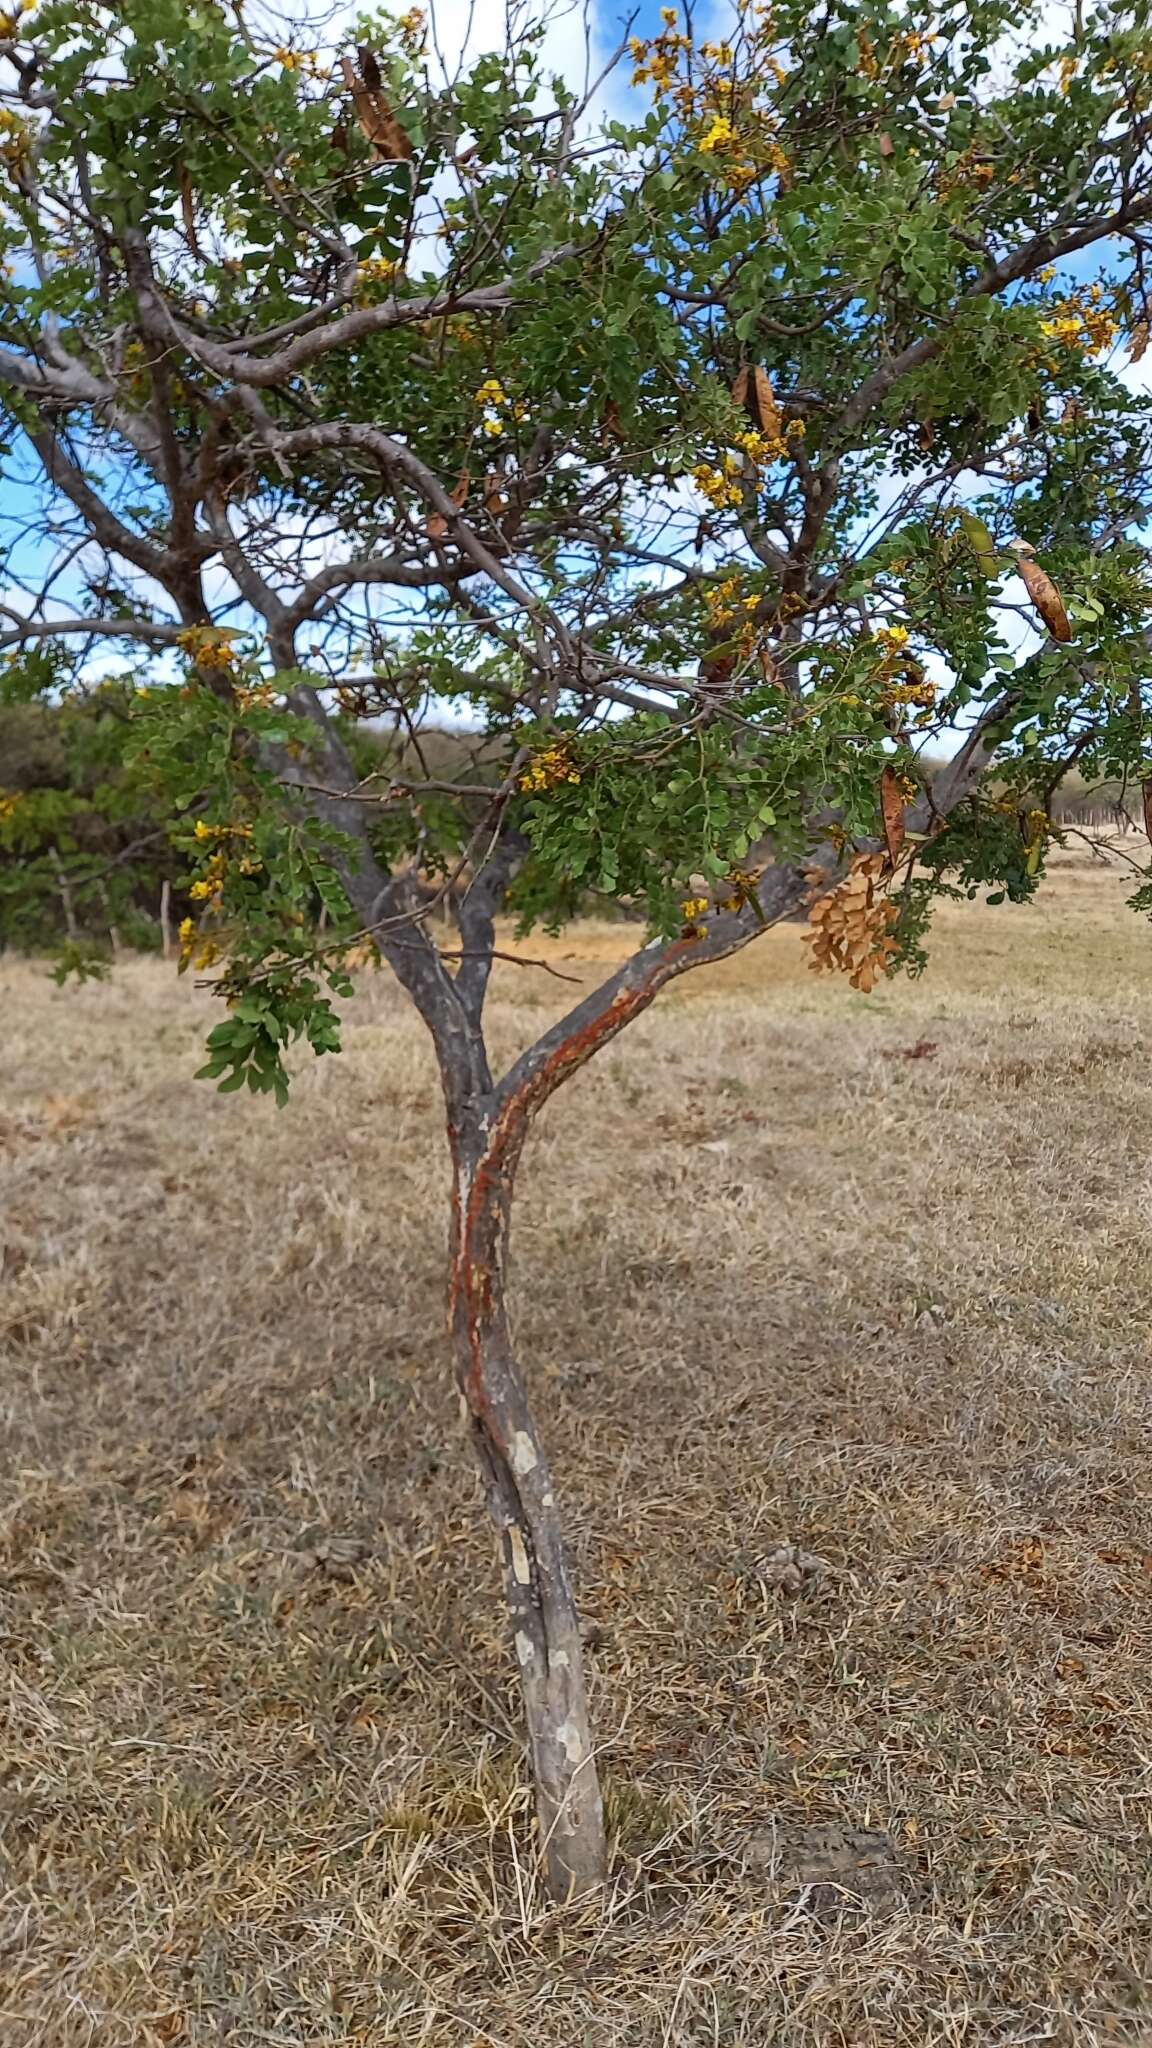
(77, 821)
(79, 827)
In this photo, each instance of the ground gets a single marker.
(793, 1266)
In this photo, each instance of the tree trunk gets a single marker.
(545, 1625)
(167, 941)
(62, 882)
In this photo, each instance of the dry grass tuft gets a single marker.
(261, 1776)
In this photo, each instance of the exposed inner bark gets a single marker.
(544, 1621)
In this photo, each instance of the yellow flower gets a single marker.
(491, 392)
(717, 486)
(375, 270)
(1081, 321)
(548, 769)
(757, 447)
(492, 427)
(208, 646)
(694, 907)
(719, 136)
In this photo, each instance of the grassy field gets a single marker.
(866, 1275)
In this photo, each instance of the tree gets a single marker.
(710, 458)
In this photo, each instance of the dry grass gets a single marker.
(775, 1281)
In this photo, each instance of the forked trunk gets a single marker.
(545, 1626)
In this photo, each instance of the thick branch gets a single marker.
(236, 361)
(1047, 247)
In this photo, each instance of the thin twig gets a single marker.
(494, 953)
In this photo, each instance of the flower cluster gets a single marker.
(658, 61)
(10, 19)
(209, 887)
(493, 397)
(210, 647)
(900, 674)
(548, 769)
(306, 61)
(15, 141)
(970, 169)
(897, 677)
(918, 691)
(194, 950)
(721, 487)
(1082, 321)
(412, 28)
(732, 615)
(9, 804)
(374, 277)
(497, 409)
(725, 103)
(741, 886)
(259, 696)
(910, 47)
(205, 832)
(753, 451)
(692, 910)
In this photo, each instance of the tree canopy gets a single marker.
(683, 451)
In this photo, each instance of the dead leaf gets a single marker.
(390, 143)
(887, 146)
(1139, 341)
(369, 68)
(1146, 792)
(740, 387)
(1043, 592)
(187, 208)
(892, 809)
(495, 497)
(436, 524)
(765, 411)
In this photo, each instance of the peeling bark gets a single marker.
(542, 1612)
